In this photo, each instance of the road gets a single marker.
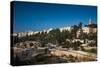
(77, 55)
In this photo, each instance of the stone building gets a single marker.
(90, 28)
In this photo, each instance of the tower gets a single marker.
(90, 22)
(90, 26)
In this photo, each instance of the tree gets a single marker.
(80, 25)
(74, 31)
(91, 36)
(81, 31)
(76, 45)
(54, 36)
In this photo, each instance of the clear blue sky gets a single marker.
(38, 16)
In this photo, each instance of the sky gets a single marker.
(32, 16)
